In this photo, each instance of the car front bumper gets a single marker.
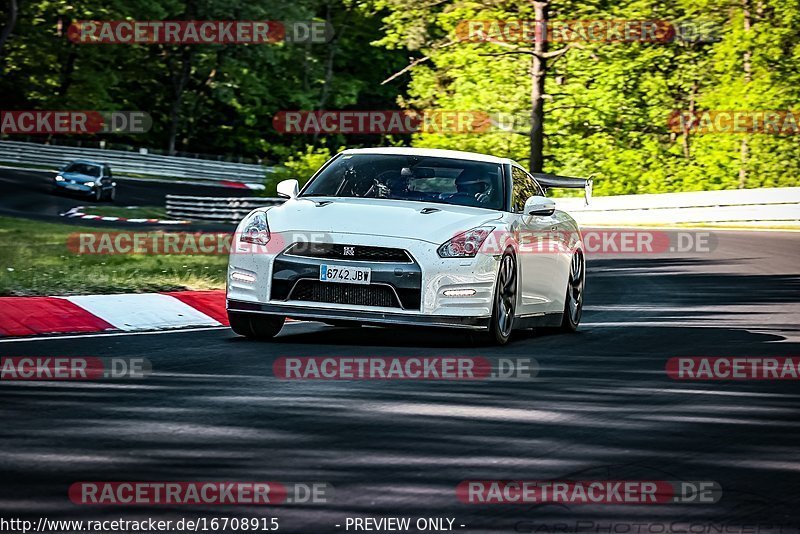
(428, 275)
(363, 316)
(78, 188)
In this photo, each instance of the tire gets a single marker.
(98, 194)
(256, 327)
(112, 194)
(573, 302)
(501, 324)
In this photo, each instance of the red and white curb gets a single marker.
(25, 316)
(77, 212)
(242, 185)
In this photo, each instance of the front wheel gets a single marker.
(505, 301)
(573, 303)
(256, 327)
(98, 194)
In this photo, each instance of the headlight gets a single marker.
(59, 178)
(255, 230)
(89, 184)
(465, 245)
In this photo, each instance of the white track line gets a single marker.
(142, 311)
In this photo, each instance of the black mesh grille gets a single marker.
(331, 251)
(359, 295)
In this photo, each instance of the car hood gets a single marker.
(78, 177)
(377, 217)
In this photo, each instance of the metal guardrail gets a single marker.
(132, 163)
(778, 206)
(224, 210)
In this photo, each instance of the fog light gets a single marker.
(243, 277)
(458, 292)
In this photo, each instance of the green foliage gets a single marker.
(606, 106)
(299, 167)
(35, 260)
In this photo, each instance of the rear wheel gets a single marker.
(112, 194)
(573, 303)
(98, 194)
(505, 301)
(254, 326)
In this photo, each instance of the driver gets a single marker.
(471, 188)
(397, 184)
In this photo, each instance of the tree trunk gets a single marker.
(747, 68)
(687, 152)
(12, 21)
(179, 81)
(538, 72)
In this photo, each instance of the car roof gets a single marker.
(430, 152)
(87, 162)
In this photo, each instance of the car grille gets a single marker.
(355, 294)
(330, 251)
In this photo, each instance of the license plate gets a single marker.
(345, 275)
(73, 186)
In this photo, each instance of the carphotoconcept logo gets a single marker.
(656, 527)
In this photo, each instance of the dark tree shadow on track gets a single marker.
(602, 407)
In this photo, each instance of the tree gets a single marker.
(9, 25)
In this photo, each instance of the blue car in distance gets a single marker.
(86, 178)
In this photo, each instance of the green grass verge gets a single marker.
(128, 212)
(35, 260)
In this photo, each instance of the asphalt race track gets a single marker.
(601, 407)
(27, 193)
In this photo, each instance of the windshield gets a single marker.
(406, 177)
(83, 168)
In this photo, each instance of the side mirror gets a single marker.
(288, 189)
(541, 206)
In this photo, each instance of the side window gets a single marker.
(524, 188)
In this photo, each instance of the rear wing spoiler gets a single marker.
(548, 181)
